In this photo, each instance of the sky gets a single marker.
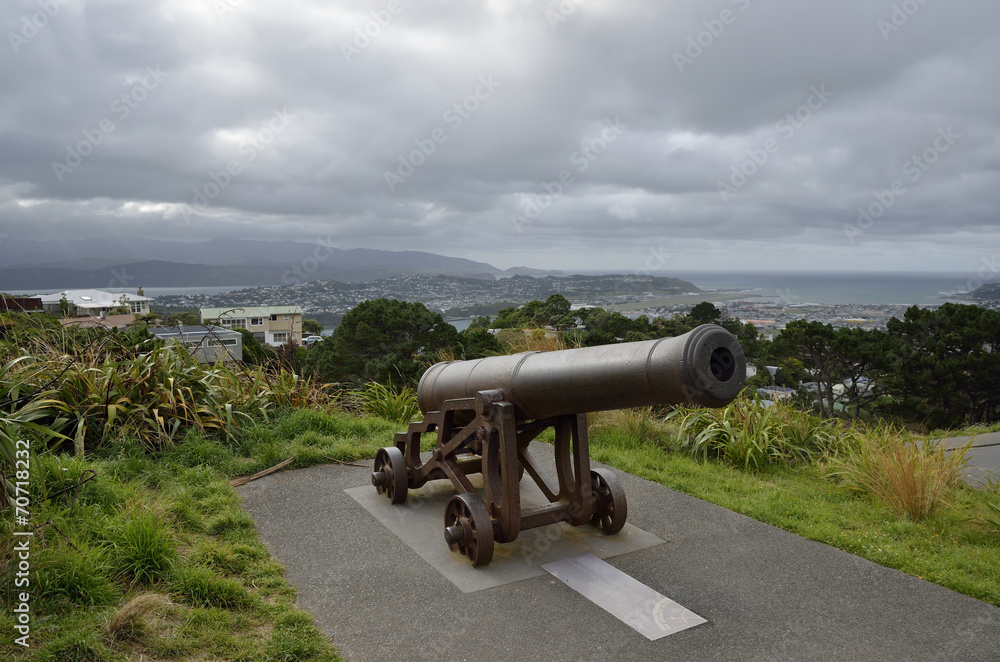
(632, 135)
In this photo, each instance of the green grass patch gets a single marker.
(952, 549)
(161, 562)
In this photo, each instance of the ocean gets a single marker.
(926, 289)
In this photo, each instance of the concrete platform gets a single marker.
(767, 594)
(420, 524)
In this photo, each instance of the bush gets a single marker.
(911, 478)
(749, 436)
(386, 402)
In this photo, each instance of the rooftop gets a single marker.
(91, 298)
(249, 311)
(188, 331)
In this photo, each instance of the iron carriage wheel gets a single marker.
(468, 528)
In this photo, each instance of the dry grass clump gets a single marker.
(911, 478)
(130, 620)
(644, 424)
(530, 340)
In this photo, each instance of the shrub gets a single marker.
(749, 436)
(386, 402)
(911, 478)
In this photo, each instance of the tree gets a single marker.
(705, 313)
(861, 353)
(380, 340)
(255, 352)
(479, 343)
(945, 363)
(812, 343)
(311, 327)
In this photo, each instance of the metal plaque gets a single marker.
(630, 601)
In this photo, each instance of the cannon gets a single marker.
(485, 412)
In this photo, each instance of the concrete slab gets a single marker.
(420, 524)
(767, 594)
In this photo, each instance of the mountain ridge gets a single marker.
(91, 264)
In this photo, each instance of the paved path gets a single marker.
(767, 594)
(983, 456)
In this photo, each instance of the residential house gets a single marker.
(208, 344)
(272, 325)
(93, 303)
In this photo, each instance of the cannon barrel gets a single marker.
(705, 366)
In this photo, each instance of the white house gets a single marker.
(93, 303)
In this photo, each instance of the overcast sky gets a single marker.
(586, 134)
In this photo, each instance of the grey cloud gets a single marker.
(325, 173)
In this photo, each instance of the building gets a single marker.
(272, 325)
(20, 304)
(93, 303)
(208, 344)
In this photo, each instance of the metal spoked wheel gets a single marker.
(610, 508)
(468, 528)
(389, 474)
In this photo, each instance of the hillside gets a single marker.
(102, 263)
(987, 292)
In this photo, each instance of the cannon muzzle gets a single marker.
(705, 366)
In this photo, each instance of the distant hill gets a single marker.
(98, 263)
(987, 292)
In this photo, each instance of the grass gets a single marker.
(393, 404)
(161, 561)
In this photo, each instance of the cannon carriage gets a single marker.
(486, 412)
